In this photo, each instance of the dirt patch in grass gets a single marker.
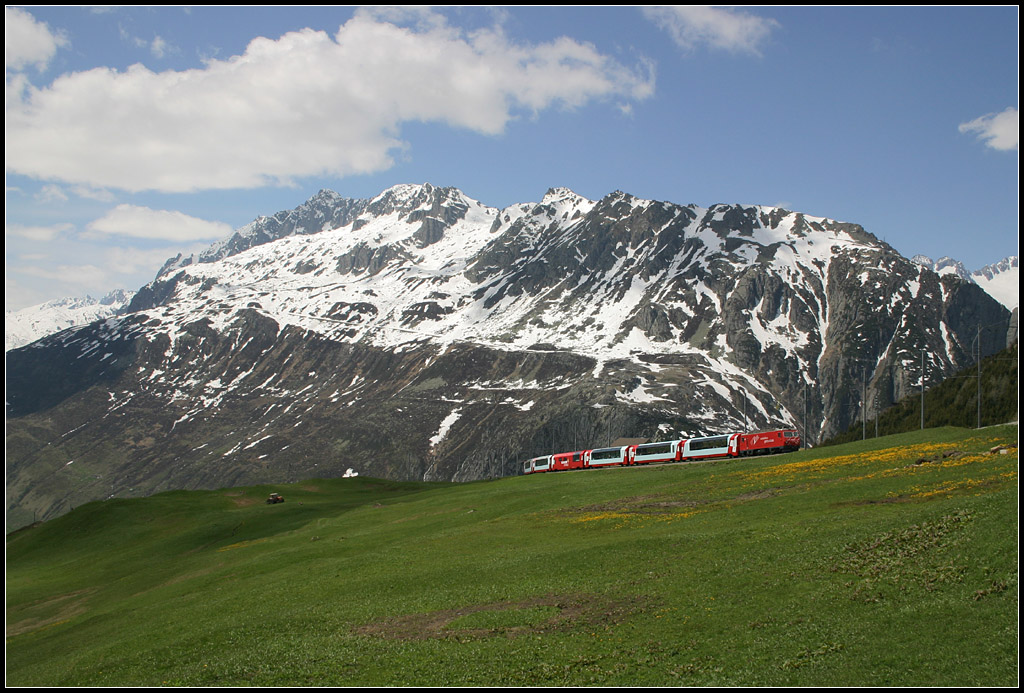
(180, 578)
(242, 544)
(241, 500)
(640, 505)
(660, 504)
(62, 608)
(873, 501)
(760, 494)
(188, 576)
(434, 513)
(508, 619)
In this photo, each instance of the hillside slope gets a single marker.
(891, 563)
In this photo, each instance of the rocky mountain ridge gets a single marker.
(327, 209)
(422, 334)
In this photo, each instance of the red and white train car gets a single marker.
(683, 450)
(537, 464)
(564, 461)
(610, 457)
(654, 453)
(769, 442)
(710, 447)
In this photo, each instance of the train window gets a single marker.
(608, 454)
(707, 443)
(654, 449)
(790, 434)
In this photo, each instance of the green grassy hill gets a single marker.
(876, 563)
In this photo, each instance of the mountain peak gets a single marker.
(559, 194)
(1007, 264)
(944, 265)
(410, 197)
(404, 191)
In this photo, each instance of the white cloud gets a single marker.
(90, 193)
(143, 222)
(83, 277)
(50, 194)
(158, 47)
(693, 25)
(18, 296)
(37, 233)
(133, 261)
(27, 41)
(304, 104)
(998, 130)
(71, 268)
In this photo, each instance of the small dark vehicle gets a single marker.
(275, 498)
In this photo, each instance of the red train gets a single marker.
(685, 450)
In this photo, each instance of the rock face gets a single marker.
(422, 335)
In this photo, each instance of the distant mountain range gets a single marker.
(1000, 280)
(423, 335)
(35, 322)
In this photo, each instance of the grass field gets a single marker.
(875, 563)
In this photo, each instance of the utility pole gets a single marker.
(864, 395)
(922, 389)
(864, 408)
(806, 435)
(979, 376)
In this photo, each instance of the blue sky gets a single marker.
(136, 133)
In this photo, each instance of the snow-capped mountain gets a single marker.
(29, 324)
(1000, 280)
(422, 334)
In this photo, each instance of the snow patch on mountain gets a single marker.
(446, 425)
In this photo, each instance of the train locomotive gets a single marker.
(683, 450)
